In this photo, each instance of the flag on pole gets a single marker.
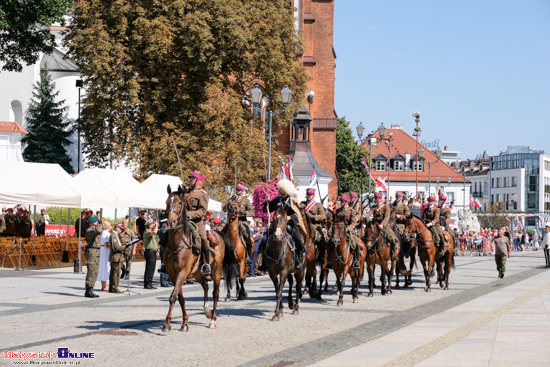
(478, 204)
(367, 168)
(289, 164)
(313, 180)
(381, 183)
(282, 175)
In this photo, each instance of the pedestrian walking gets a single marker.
(545, 244)
(503, 249)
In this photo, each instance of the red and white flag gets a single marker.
(367, 168)
(477, 203)
(313, 180)
(381, 183)
(289, 165)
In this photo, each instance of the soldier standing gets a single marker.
(126, 236)
(116, 257)
(93, 241)
(197, 206)
(381, 216)
(431, 217)
(245, 209)
(316, 215)
(503, 248)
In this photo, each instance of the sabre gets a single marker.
(179, 162)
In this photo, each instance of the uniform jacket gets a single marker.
(380, 214)
(126, 237)
(291, 206)
(197, 205)
(91, 235)
(317, 210)
(444, 215)
(245, 207)
(402, 211)
(117, 248)
(431, 216)
(348, 216)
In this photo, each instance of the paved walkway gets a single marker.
(480, 321)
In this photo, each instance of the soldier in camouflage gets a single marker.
(93, 245)
(116, 257)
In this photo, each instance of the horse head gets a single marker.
(279, 223)
(233, 211)
(174, 206)
(338, 233)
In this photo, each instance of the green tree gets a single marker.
(156, 70)
(48, 133)
(494, 221)
(58, 215)
(25, 30)
(349, 160)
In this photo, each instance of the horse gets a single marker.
(279, 261)
(181, 260)
(448, 260)
(313, 249)
(341, 259)
(407, 251)
(378, 252)
(239, 251)
(425, 246)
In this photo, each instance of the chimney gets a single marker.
(407, 158)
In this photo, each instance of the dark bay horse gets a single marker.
(378, 252)
(312, 250)
(425, 246)
(446, 260)
(279, 260)
(181, 260)
(341, 258)
(239, 251)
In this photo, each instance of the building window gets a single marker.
(399, 166)
(505, 181)
(492, 182)
(514, 181)
(380, 165)
(498, 182)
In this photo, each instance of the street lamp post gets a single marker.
(438, 154)
(416, 134)
(419, 156)
(256, 94)
(78, 85)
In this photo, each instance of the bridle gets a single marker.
(416, 233)
(178, 223)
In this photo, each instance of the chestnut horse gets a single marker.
(181, 260)
(341, 259)
(378, 252)
(239, 251)
(279, 261)
(425, 246)
(448, 260)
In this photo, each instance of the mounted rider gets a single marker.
(316, 215)
(348, 215)
(245, 209)
(445, 217)
(402, 212)
(431, 217)
(295, 225)
(381, 216)
(197, 206)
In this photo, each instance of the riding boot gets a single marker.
(356, 258)
(299, 250)
(123, 273)
(205, 269)
(90, 293)
(245, 233)
(392, 250)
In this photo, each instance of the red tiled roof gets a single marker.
(11, 127)
(403, 142)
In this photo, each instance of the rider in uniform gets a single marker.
(381, 216)
(245, 210)
(93, 245)
(316, 215)
(445, 218)
(295, 225)
(402, 212)
(197, 206)
(430, 217)
(348, 215)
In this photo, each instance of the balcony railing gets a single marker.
(477, 194)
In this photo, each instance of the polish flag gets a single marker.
(477, 203)
(381, 183)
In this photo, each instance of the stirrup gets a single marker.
(205, 269)
(356, 265)
(248, 262)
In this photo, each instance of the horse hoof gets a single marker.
(337, 293)
(397, 286)
(446, 288)
(275, 318)
(227, 299)
(166, 328)
(184, 328)
(312, 294)
(389, 291)
(441, 285)
(355, 300)
(370, 295)
(319, 298)
(427, 289)
(239, 297)
(208, 313)
(212, 325)
(340, 303)
(295, 312)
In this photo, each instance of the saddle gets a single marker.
(196, 240)
(214, 242)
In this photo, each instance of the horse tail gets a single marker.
(228, 260)
(452, 259)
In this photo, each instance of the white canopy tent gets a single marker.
(156, 186)
(43, 184)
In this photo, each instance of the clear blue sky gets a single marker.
(477, 70)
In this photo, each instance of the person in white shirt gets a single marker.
(104, 264)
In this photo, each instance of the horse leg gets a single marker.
(176, 292)
(205, 304)
(215, 297)
(237, 279)
(383, 280)
(325, 274)
(184, 326)
(448, 260)
(341, 284)
(241, 293)
(321, 279)
(299, 280)
(282, 281)
(440, 277)
(354, 286)
(278, 294)
(290, 285)
(371, 280)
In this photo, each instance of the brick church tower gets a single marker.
(315, 21)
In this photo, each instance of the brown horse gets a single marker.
(239, 251)
(425, 246)
(313, 249)
(341, 259)
(407, 251)
(280, 264)
(448, 260)
(378, 252)
(181, 260)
